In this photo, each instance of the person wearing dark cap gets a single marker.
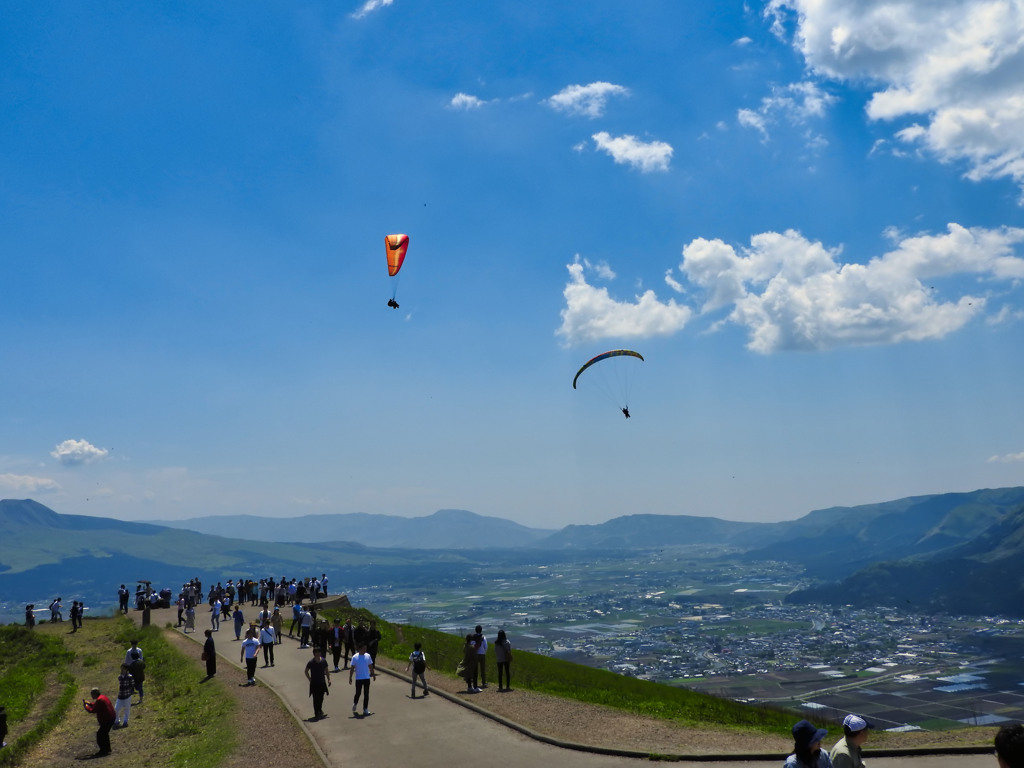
(847, 751)
(1010, 746)
(807, 751)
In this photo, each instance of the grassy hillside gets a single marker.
(44, 674)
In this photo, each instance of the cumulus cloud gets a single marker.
(465, 101)
(952, 67)
(629, 150)
(1006, 458)
(369, 7)
(28, 484)
(795, 294)
(75, 452)
(794, 104)
(592, 314)
(588, 100)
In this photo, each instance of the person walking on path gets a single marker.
(480, 641)
(363, 670)
(267, 643)
(239, 619)
(133, 649)
(503, 657)
(348, 635)
(105, 717)
(337, 643)
(122, 599)
(138, 669)
(123, 705)
(210, 654)
(215, 607)
(418, 662)
(847, 751)
(249, 654)
(319, 677)
(277, 622)
(372, 640)
(190, 618)
(807, 751)
(306, 624)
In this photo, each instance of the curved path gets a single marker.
(437, 731)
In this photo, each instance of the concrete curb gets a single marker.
(737, 757)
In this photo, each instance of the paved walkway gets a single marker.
(435, 732)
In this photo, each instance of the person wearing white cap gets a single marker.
(807, 751)
(847, 751)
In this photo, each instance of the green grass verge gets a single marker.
(192, 722)
(531, 671)
(29, 662)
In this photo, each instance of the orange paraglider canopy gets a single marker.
(395, 247)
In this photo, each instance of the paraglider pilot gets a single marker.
(625, 412)
(393, 303)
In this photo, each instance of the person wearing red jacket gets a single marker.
(104, 711)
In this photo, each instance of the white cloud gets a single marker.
(588, 100)
(591, 314)
(28, 484)
(74, 452)
(791, 293)
(1007, 458)
(629, 150)
(742, 41)
(953, 65)
(465, 101)
(672, 283)
(748, 118)
(370, 6)
(1006, 314)
(601, 269)
(794, 104)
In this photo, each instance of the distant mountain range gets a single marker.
(445, 529)
(956, 552)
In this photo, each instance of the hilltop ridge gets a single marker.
(933, 546)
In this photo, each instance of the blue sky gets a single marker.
(807, 216)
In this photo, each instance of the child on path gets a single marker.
(418, 662)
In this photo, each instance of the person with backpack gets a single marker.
(418, 662)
